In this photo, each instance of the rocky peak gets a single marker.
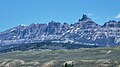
(85, 23)
(53, 23)
(111, 23)
(33, 25)
(65, 25)
(53, 27)
(84, 18)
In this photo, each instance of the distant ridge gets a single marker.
(84, 31)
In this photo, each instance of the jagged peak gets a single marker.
(33, 24)
(53, 22)
(112, 21)
(65, 23)
(84, 18)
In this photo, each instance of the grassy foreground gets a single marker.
(83, 57)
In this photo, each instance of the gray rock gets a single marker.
(85, 31)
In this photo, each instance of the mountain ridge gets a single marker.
(85, 31)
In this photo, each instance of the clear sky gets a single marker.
(16, 12)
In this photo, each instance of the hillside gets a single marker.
(42, 46)
(83, 57)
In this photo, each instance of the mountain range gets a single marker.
(85, 31)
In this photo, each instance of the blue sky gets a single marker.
(16, 12)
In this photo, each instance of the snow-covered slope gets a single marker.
(84, 31)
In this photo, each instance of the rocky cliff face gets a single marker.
(85, 31)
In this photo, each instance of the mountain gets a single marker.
(84, 31)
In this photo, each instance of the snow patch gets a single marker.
(72, 27)
(68, 31)
(71, 30)
(14, 36)
(88, 38)
(22, 25)
(63, 34)
(12, 30)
